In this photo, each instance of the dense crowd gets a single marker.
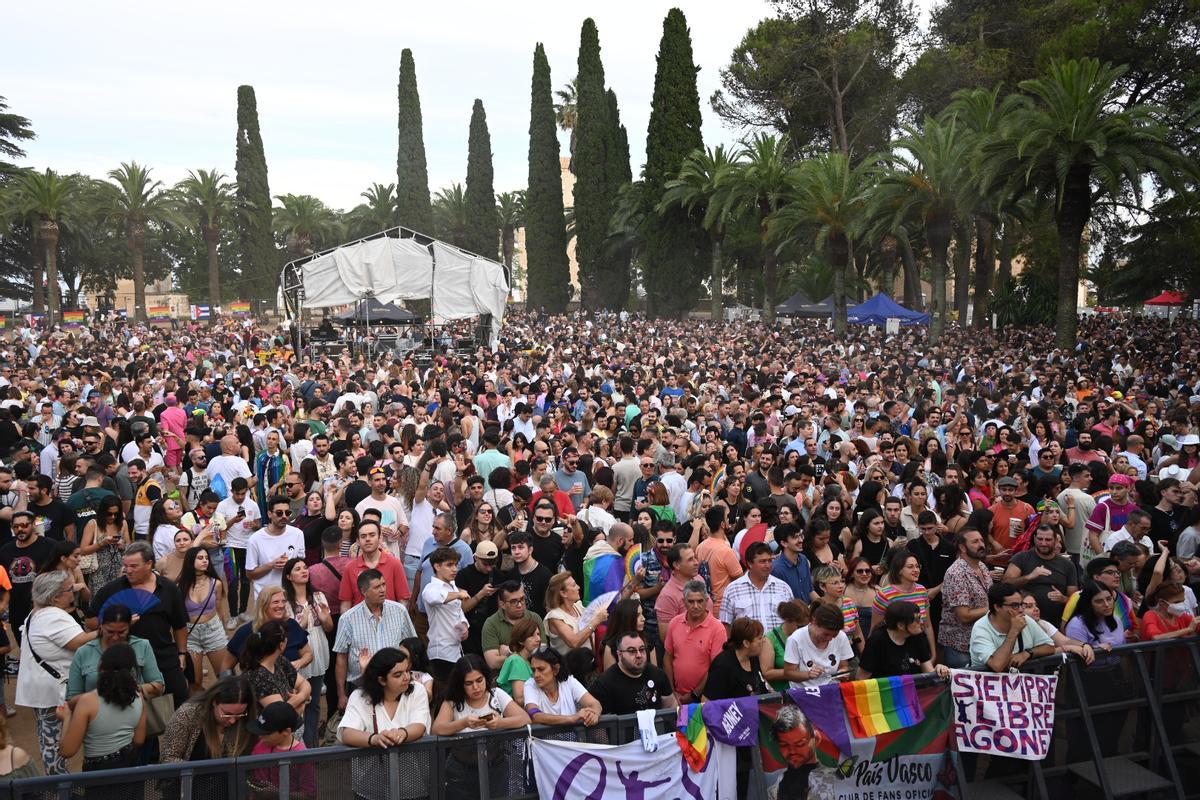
(213, 547)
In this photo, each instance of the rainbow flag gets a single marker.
(881, 705)
(601, 574)
(239, 307)
(3, 321)
(633, 561)
(159, 312)
(73, 317)
(692, 734)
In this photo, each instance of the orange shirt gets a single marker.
(723, 565)
(1001, 516)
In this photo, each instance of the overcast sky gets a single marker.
(157, 82)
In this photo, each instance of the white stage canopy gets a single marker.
(458, 283)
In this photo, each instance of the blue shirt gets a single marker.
(797, 576)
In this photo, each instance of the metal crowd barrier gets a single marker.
(1125, 727)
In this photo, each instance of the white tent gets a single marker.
(409, 266)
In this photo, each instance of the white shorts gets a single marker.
(207, 637)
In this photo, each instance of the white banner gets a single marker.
(570, 770)
(1003, 714)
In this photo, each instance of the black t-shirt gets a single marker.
(548, 550)
(472, 580)
(535, 582)
(935, 560)
(157, 621)
(884, 658)
(727, 679)
(7, 500)
(1168, 524)
(620, 694)
(22, 564)
(1062, 576)
(53, 518)
(356, 492)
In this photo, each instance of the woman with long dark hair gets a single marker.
(272, 677)
(211, 725)
(312, 612)
(203, 593)
(109, 722)
(105, 535)
(626, 617)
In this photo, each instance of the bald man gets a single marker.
(227, 466)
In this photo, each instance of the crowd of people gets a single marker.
(215, 547)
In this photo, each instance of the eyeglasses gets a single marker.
(633, 651)
(280, 512)
(862, 572)
(665, 541)
(484, 511)
(1110, 571)
(515, 601)
(543, 519)
(292, 484)
(1013, 605)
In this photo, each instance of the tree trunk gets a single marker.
(38, 303)
(1074, 211)
(136, 239)
(888, 264)
(48, 236)
(1008, 244)
(508, 245)
(937, 233)
(839, 256)
(715, 282)
(770, 266)
(964, 233)
(912, 276)
(212, 237)
(985, 268)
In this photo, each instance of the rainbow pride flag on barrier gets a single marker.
(241, 307)
(692, 734)
(159, 312)
(74, 317)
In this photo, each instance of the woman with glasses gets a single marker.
(484, 526)
(211, 725)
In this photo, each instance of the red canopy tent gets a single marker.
(1168, 298)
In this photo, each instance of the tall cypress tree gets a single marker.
(674, 246)
(413, 208)
(593, 195)
(548, 270)
(252, 213)
(613, 286)
(483, 234)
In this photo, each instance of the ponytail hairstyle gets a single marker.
(116, 680)
(262, 643)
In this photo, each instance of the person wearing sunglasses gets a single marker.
(270, 547)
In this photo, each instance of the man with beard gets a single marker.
(1083, 452)
(21, 557)
(1048, 576)
(632, 684)
(964, 597)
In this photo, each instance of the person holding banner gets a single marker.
(1006, 638)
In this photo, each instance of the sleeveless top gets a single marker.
(111, 729)
(196, 609)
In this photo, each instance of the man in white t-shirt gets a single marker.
(270, 548)
(819, 651)
(229, 465)
(443, 603)
(392, 520)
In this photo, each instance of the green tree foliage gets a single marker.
(548, 268)
(14, 129)
(593, 195)
(483, 225)
(306, 224)
(413, 207)
(672, 262)
(206, 200)
(260, 258)
(451, 218)
(510, 211)
(375, 215)
(566, 115)
(47, 200)
(614, 277)
(137, 202)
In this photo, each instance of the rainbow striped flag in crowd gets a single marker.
(74, 317)
(159, 312)
(881, 705)
(239, 307)
(692, 734)
(633, 561)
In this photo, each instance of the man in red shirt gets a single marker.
(372, 556)
(692, 641)
(1009, 513)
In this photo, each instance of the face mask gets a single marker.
(1177, 608)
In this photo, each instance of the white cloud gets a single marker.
(158, 82)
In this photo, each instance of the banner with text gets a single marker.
(1003, 714)
(627, 772)
(896, 778)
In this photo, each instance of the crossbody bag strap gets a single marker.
(41, 662)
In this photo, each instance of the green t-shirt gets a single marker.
(515, 669)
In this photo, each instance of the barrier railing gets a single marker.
(1123, 727)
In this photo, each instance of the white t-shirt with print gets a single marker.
(801, 650)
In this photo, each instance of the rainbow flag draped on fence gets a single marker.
(159, 312)
(692, 734)
(239, 307)
(73, 317)
(881, 705)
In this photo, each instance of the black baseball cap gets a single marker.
(278, 716)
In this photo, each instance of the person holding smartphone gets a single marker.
(242, 519)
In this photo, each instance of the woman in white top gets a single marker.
(48, 645)
(312, 613)
(553, 700)
(473, 703)
(564, 613)
(390, 709)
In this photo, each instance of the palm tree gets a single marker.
(48, 200)
(827, 195)
(134, 200)
(697, 190)
(510, 207)
(305, 222)
(450, 214)
(566, 113)
(927, 176)
(206, 198)
(377, 214)
(759, 184)
(1069, 139)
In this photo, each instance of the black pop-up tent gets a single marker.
(798, 305)
(372, 312)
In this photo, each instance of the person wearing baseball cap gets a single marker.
(479, 580)
(276, 726)
(1009, 513)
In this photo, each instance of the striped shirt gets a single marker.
(744, 599)
(359, 628)
(889, 594)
